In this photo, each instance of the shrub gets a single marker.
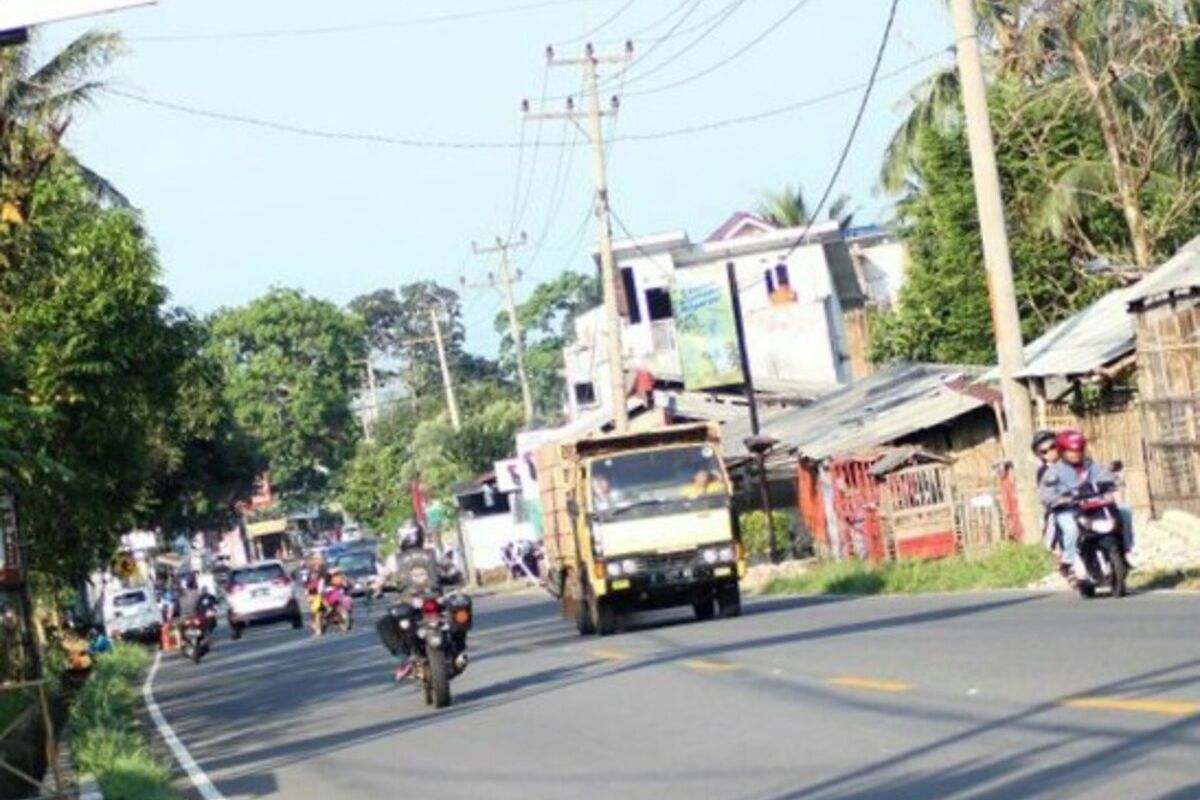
(754, 531)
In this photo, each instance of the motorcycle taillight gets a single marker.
(430, 607)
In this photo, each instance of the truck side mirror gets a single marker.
(1118, 466)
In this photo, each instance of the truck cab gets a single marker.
(651, 527)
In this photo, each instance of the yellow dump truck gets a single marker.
(639, 521)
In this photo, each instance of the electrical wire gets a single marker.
(678, 54)
(601, 26)
(287, 33)
(774, 26)
(518, 215)
(444, 144)
(858, 118)
(642, 56)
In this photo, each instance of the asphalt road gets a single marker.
(998, 695)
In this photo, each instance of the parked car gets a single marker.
(359, 569)
(261, 592)
(132, 614)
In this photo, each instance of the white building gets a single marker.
(802, 308)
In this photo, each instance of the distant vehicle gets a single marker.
(352, 532)
(359, 569)
(132, 614)
(261, 592)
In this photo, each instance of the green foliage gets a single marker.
(754, 531)
(290, 364)
(1003, 567)
(106, 740)
(944, 313)
(547, 318)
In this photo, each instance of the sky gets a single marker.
(235, 209)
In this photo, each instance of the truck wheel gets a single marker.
(583, 618)
(605, 621)
(729, 602)
(704, 609)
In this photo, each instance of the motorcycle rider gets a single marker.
(1045, 449)
(417, 570)
(1059, 479)
(315, 586)
(195, 601)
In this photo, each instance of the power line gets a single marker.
(443, 144)
(601, 26)
(858, 118)
(774, 26)
(324, 30)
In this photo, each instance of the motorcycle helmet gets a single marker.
(411, 537)
(1041, 438)
(1071, 439)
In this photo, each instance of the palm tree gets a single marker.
(36, 106)
(789, 209)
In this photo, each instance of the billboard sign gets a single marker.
(705, 331)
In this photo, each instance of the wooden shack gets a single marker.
(1166, 311)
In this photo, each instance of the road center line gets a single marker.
(1170, 708)
(869, 684)
(196, 775)
(704, 665)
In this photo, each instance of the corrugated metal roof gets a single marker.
(1180, 271)
(900, 400)
(1083, 342)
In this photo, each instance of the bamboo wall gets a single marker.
(1114, 433)
(1168, 354)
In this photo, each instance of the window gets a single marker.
(259, 574)
(585, 394)
(769, 279)
(630, 287)
(658, 304)
(129, 599)
(781, 293)
(781, 275)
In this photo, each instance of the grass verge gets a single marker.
(106, 739)
(1005, 567)
(1187, 578)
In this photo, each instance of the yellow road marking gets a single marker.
(870, 684)
(704, 665)
(611, 655)
(1171, 708)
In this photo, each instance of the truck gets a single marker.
(638, 521)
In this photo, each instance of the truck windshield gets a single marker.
(657, 478)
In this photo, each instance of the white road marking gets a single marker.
(196, 775)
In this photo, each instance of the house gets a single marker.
(880, 261)
(796, 296)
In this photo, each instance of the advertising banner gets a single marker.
(705, 332)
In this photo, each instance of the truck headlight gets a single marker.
(613, 568)
(629, 566)
(710, 555)
(725, 553)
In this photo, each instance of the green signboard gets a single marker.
(705, 332)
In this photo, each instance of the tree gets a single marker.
(547, 318)
(291, 363)
(36, 103)
(83, 352)
(789, 209)
(943, 312)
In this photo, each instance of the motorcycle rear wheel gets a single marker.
(439, 678)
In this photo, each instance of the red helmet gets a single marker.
(1071, 439)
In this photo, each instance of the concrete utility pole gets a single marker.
(608, 271)
(505, 280)
(1018, 411)
(447, 381)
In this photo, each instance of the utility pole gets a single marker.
(371, 419)
(447, 381)
(1018, 412)
(608, 271)
(505, 280)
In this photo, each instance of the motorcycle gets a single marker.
(1101, 537)
(436, 626)
(194, 641)
(336, 610)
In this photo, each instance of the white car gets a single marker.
(261, 592)
(132, 614)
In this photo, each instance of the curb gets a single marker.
(89, 789)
